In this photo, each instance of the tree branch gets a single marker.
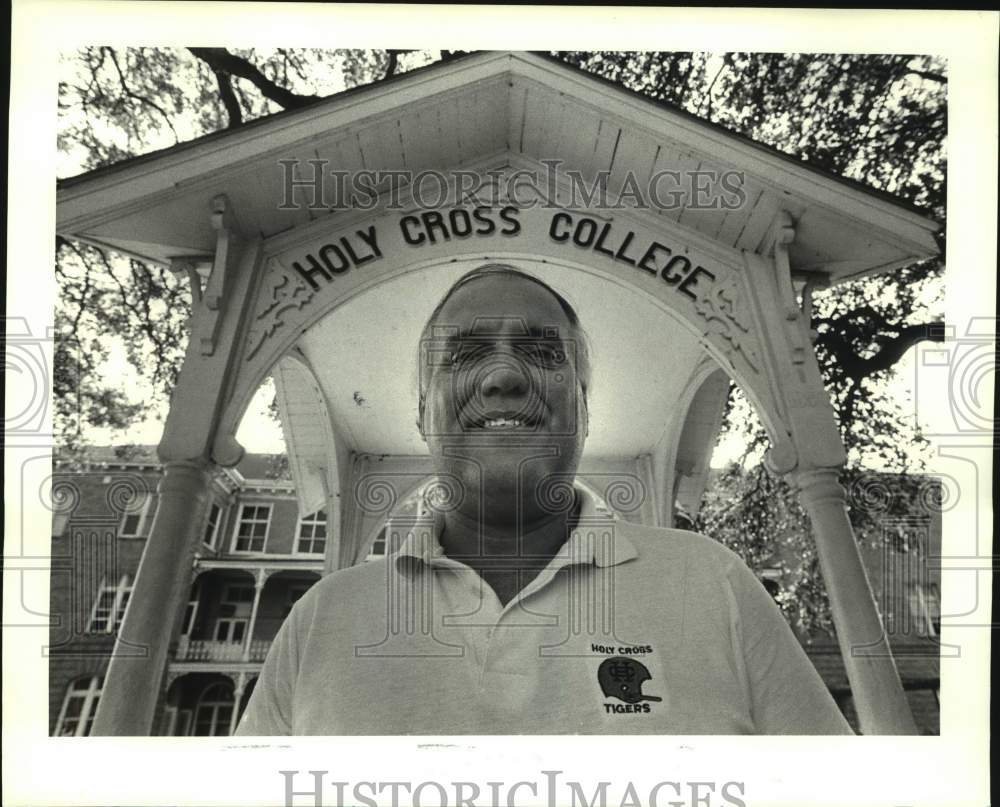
(726, 61)
(893, 349)
(851, 316)
(229, 99)
(143, 322)
(85, 293)
(135, 96)
(935, 77)
(393, 64)
(222, 59)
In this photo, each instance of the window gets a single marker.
(238, 594)
(212, 525)
(109, 608)
(773, 587)
(230, 629)
(312, 534)
(378, 546)
(771, 580)
(176, 722)
(191, 612)
(251, 531)
(137, 519)
(234, 613)
(79, 708)
(214, 712)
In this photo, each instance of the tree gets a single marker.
(118, 103)
(880, 120)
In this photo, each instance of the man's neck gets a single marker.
(507, 555)
(484, 538)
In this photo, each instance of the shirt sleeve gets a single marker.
(269, 711)
(786, 694)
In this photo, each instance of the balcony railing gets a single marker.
(207, 650)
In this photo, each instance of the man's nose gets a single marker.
(504, 377)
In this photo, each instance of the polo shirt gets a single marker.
(628, 630)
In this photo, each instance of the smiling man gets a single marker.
(503, 387)
(516, 603)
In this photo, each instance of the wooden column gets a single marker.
(879, 699)
(260, 580)
(133, 681)
(191, 445)
(806, 446)
(238, 686)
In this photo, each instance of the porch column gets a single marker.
(807, 448)
(191, 445)
(881, 704)
(238, 686)
(133, 681)
(260, 581)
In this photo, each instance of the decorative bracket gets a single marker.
(220, 279)
(782, 235)
(811, 282)
(189, 265)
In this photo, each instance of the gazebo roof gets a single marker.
(488, 110)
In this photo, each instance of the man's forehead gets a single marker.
(503, 304)
(482, 327)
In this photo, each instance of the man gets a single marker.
(516, 604)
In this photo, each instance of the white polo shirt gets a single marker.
(628, 630)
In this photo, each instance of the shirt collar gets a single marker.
(597, 537)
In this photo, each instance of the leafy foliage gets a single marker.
(879, 120)
(140, 304)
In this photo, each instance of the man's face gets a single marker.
(504, 410)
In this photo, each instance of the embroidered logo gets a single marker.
(622, 678)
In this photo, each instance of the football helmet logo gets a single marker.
(622, 677)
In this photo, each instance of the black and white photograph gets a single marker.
(444, 400)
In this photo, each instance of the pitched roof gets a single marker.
(487, 110)
(252, 467)
(69, 182)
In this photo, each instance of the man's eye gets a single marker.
(542, 355)
(552, 355)
(460, 355)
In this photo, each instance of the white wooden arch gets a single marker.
(714, 310)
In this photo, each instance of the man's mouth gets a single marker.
(502, 421)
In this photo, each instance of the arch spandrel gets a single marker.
(699, 285)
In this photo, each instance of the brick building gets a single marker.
(258, 555)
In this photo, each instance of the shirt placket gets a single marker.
(470, 607)
(501, 638)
